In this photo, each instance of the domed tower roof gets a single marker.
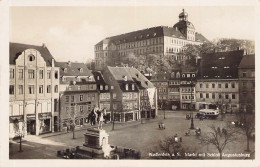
(183, 15)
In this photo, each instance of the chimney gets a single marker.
(43, 45)
(52, 63)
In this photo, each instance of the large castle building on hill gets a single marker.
(161, 40)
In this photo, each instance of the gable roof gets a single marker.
(73, 69)
(15, 49)
(119, 72)
(220, 65)
(139, 78)
(149, 33)
(248, 61)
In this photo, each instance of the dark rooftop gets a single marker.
(15, 49)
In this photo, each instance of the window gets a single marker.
(253, 74)
(67, 98)
(56, 75)
(201, 85)
(31, 89)
(213, 85)
(244, 74)
(72, 98)
(81, 109)
(41, 89)
(114, 95)
(114, 106)
(233, 96)
(31, 57)
(48, 88)
(219, 85)
(11, 72)
(219, 96)
(20, 89)
(101, 87)
(80, 97)
(201, 95)
(31, 74)
(226, 96)
(207, 95)
(65, 70)
(133, 87)
(20, 74)
(126, 87)
(226, 85)
(56, 89)
(244, 83)
(48, 74)
(67, 109)
(106, 87)
(233, 85)
(41, 74)
(11, 89)
(112, 87)
(213, 95)
(207, 85)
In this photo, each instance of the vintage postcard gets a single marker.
(131, 83)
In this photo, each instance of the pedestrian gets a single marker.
(180, 139)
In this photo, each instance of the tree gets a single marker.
(163, 106)
(247, 125)
(171, 149)
(19, 132)
(219, 137)
(233, 44)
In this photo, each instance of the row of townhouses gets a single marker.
(46, 96)
(225, 79)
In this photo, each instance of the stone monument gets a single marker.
(96, 144)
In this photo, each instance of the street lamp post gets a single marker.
(192, 123)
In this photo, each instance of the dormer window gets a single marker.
(133, 87)
(126, 87)
(125, 78)
(112, 87)
(31, 57)
(81, 70)
(188, 75)
(63, 79)
(78, 78)
(101, 87)
(65, 70)
(97, 77)
(106, 87)
(183, 75)
(193, 75)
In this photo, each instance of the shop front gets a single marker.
(45, 122)
(31, 124)
(16, 125)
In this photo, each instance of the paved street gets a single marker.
(142, 137)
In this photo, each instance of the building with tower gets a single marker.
(160, 40)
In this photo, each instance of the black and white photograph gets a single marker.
(131, 83)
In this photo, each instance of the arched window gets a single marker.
(172, 75)
(177, 75)
(31, 57)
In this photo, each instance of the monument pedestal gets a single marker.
(96, 144)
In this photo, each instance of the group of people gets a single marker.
(97, 116)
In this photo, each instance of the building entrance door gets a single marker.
(31, 127)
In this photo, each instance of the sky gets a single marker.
(70, 33)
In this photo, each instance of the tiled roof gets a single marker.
(15, 49)
(220, 65)
(119, 73)
(100, 81)
(160, 77)
(73, 69)
(248, 61)
(150, 33)
(139, 78)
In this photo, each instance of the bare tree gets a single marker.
(219, 137)
(19, 132)
(246, 121)
(169, 148)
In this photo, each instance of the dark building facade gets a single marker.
(78, 93)
(246, 74)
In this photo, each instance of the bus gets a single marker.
(210, 113)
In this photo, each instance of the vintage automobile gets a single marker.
(207, 113)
